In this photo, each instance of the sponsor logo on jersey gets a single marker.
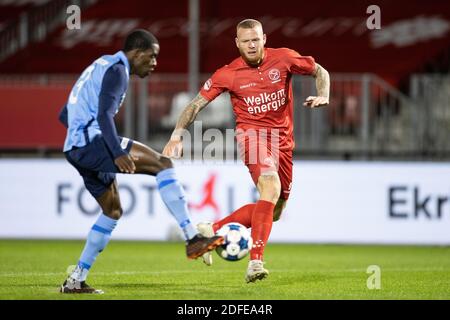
(252, 84)
(207, 85)
(265, 102)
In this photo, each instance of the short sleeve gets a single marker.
(219, 82)
(299, 64)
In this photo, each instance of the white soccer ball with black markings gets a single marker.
(237, 244)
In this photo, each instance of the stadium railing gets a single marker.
(367, 118)
(431, 118)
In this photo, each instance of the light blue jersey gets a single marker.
(83, 103)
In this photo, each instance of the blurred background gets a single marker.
(390, 87)
(390, 93)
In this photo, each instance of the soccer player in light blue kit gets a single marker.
(93, 147)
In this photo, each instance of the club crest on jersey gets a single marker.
(274, 75)
(207, 85)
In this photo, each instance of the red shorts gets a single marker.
(260, 158)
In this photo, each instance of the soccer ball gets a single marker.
(237, 241)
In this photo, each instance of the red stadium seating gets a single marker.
(29, 116)
(334, 32)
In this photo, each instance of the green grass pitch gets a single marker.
(31, 269)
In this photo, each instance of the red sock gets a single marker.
(262, 220)
(243, 215)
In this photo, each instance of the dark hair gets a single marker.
(248, 24)
(139, 39)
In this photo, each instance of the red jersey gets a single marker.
(262, 96)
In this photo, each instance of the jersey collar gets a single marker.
(124, 59)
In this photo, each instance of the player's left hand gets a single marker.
(173, 148)
(125, 163)
(314, 102)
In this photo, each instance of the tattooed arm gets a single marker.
(187, 117)
(189, 114)
(322, 86)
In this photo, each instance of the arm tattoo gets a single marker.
(322, 81)
(190, 112)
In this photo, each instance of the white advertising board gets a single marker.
(330, 202)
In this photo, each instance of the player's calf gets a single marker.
(279, 207)
(109, 201)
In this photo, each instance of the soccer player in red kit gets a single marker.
(259, 83)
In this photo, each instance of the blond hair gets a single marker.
(248, 24)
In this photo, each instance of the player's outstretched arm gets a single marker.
(174, 148)
(323, 88)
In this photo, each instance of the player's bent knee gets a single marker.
(269, 186)
(115, 213)
(165, 163)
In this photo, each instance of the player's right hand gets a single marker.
(173, 149)
(125, 164)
